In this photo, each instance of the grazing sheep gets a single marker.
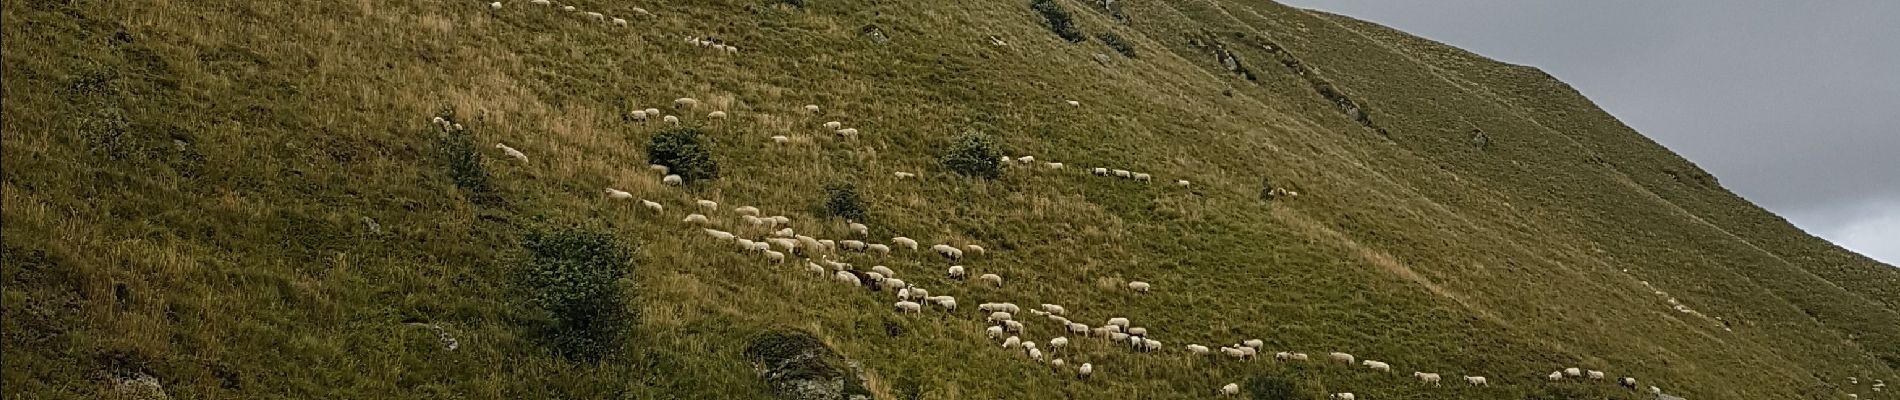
(1377, 366)
(1113, 328)
(905, 242)
(991, 279)
(1236, 353)
(1596, 375)
(947, 251)
(1054, 165)
(671, 120)
(830, 245)
(1181, 182)
(1026, 159)
(716, 115)
(1035, 354)
(909, 307)
(596, 16)
(1122, 173)
(859, 229)
(881, 269)
(948, 303)
(833, 125)
(1057, 363)
(1139, 177)
(662, 169)
(1013, 326)
(1341, 396)
(853, 245)
(1058, 343)
(1012, 342)
(975, 249)
(569, 8)
(1300, 357)
(994, 332)
(811, 108)
(846, 277)
(638, 115)
(1118, 321)
(1254, 343)
(673, 180)
(1627, 382)
(895, 283)
(814, 268)
(685, 103)
(880, 248)
(851, 133)
(709, 205)
(1139, 287)
(1283, 356)
(956, 272)
(1054, 309)
(904, 175)
(998, 316)
(541, 2)
(1079, 329)
(719, 234)
(653, 112)
(695, 219)
(1341, 357)
(751, 220)
(1477, 381)
(1099, 171)
(785, 233)
(656, 207)
(1573, 372)
(511, 152)
(618, 194)
(781, 139)
(1426, 377)
(747, 210)
(781, 220)
(1084, 371)
(494, 5)
(620, 22)
(1230, 389)
(776, 257)
(1556, 376)
(1197, 349)
(1074, 103)
(1138, 331)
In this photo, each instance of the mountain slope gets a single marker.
(243, 199)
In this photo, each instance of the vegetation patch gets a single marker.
(842, 201)
(574, 276)
(1059, 20)
(461, 158)
(798, 366)
(973, 154)
(1116, 42)
(1265, 387)
(682, 152)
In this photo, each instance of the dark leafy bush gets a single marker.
(1115, 41)
(680, 150)
(463, 160)
(574, 275)
(1059, 20)
(842, 201)
(793, 3)
(1263, 387)
(973, 154)
(797, 365)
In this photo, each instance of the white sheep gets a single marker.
(849, 133)
(569, 8)
(1099, 171)
(781, 139)
(785, 242)
(662, 169)
(955, 272)
(671, 120)
(1627, 382)
(1230, 389)
(1143, 177)
(596, 16)
(1138, 287)
(978, 250)
(811, 108)
(494, 5)
(1122, 173)
(947, 251)
(948, 303)
(650, 205)
(992, 279)
(1057, 363)
(833, 125)
(904, 175)
(1078, 328)
(859, 229)
(909, 307)
(895, 283)
(673, 180)
(709, 205)
(541, 2)
(1341, 396)
(685, 103)
(638, 115)
(1236, 353)
(1012, 342)
(776, 257)
(1119, 322)
(751, 220)
(994, 332)
(830, 245)
(747, 210)
(905, 242)
(998, 316)
(620, 22)
(1341, 357)
(1426, 377)
(1477, 381)
(1254, 343)
(719, 234)
(1013, 326)
(1035, 354)
(1054, 309)
(781, 220)
(1573, 372)
(881, 269)
(1196, 349)
(618, 194)
(1377, 366)
(1058, 343)
(1300, 357)
(1074, 103)
(880, 248)
(846, 277)
(695, 219)
(1138, 331)
(853, 245)
(1596, 375)
(716, 115)
(1054, 165)
(1556, 376)
(511, 152)
(1181, 182)
(653, 112)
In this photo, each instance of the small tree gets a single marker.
(680, 150)
(973, 154)
(1263, 387)
(1059, 21)
(574, 276)
(841, 200)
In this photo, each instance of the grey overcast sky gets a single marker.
(1793, 105)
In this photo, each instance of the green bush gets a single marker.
(1262, 387)
(973, 154)
(574, 276)
(463, 160)
(1115, 41)
(1059, 20)
(841, 200)
(680, 150)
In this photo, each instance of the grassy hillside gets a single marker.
(249, 200)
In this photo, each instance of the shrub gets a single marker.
(680, 150)
(1115, 41)
(463, 160)
(841, 200)
(1059, 21)
(973, 154)
(797, 365)
(1263, 387)
(574, 276)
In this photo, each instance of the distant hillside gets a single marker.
(229, 199)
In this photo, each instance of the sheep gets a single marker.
(620, 22)
(1084, 371)
(656, 207)
(1181, 182)
(811, 108)
(1426, 377)
(1139, 287)
(1341, 396)
(879, 268)
(1627, 382)
(784, 242)
(747, 210)
(1477, 381)
(751, 220)
(1341, 357)
(810, 245)
(1035, 354)
(829, 245)
(859, 229)
(709, 205)
(909, 307)
(1230, 389)
(1196, 349)
(1573, 372)
(776, 257)
(1054, 309)
(849, 133)
(1026, 159)
(512, 153)
(1057, 363)
(716, 115)
(1113, 328)
(494, 5)
(875, 276)
(1012, 342)
(1099, 171)
(781, 220)
(814, 268)
(618, 194)
(947, 251)
(904, 175)
(1300, 357)
(596, 16)
(955, 272)
(685, 103)
(1556, 376)
(781, 139)
(880, 248)
(905, 242)
(638, 115)
(1141, 177)
(1237, 354)
(1118, 336)
(978, 250)
(895, 283)
(1377, 366)
(1013, 326)
(846, 277)
(673, 180)
(569, 8)
(1073, 103)
(1596, 375)
(719, 234)
(1122, 173)
(948, 303)
(695, 219)
(1138, 331)
(992, 279)
(833, 125)
(541, 2)
(1283, 356)
(998, 316)
(732, 50)
(671, 120)
(1250, 352)
(1058, 343)
(853, 245)
(1118, 321)
(1254, 343)
(652, 112)
(994, 332)
(1054, 165)
(662, 169)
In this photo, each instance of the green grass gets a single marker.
(188, 188)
